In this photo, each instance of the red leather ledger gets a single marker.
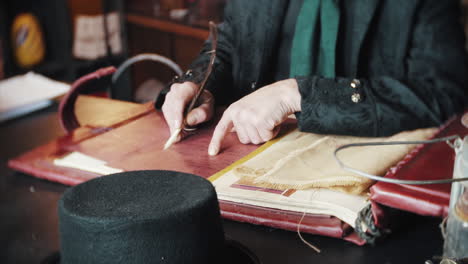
(136, 143)
(427, 162)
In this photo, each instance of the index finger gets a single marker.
(173, 107)
(222, 128)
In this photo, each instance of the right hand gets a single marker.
(178, 99)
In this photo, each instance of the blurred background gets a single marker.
(65, 39)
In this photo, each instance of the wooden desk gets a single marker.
(29, 224)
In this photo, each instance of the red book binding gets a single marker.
(426, 162)
(136, 143)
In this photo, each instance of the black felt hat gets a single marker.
(144, 217)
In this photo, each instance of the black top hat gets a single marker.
(144, 217)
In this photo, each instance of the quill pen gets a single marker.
(214, 42)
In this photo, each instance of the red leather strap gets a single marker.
(85, 84)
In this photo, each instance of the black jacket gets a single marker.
(407, 54)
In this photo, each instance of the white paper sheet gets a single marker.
(84, 162)
(23, 94)
(313, 201)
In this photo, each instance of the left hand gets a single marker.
(256, 116)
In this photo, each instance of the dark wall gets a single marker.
(55, 18)
(4, 49)
(55, 23)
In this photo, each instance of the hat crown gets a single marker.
(141, 217)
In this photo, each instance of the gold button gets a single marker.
(356, 98)
(355, 83)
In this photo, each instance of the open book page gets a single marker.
(305, 160)
(23, 94)
(299, 173)
(312, 201)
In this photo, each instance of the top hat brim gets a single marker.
(234, 253)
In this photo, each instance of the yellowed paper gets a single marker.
(304, 160)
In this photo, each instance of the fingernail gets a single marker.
(177, 124)
(212, 151)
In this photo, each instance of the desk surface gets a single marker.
(29, 224)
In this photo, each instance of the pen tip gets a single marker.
(167, 145)
(172, 139)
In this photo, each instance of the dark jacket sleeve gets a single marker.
(222, 69)
(432, 90)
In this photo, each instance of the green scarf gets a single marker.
(314, 44)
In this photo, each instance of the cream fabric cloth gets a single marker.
(304, 160)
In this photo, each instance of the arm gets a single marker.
(222, 69)
(432, 91)
(256, 117)
(184, 89)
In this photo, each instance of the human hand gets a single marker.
(176, 102)
(256, 116)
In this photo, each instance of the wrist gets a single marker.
(292, 95)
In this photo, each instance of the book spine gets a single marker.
(293, 221)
